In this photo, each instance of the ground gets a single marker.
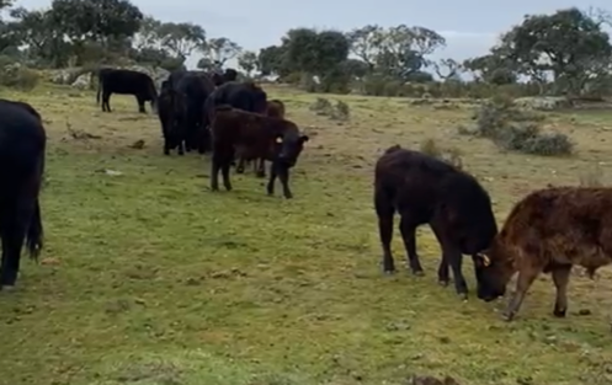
(150, 278)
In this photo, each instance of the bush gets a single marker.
(323, 107)
(449, 155)
(513, 129)
(19, 77)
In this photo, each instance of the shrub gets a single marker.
(323, 107)
(19, 77)
(513, 129)
(451, 155)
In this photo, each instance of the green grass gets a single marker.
(150, 278)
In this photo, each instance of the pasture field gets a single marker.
(150, 278)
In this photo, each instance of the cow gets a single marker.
(276, 109)
(195, 89)
(245, 96)
(424, 189)
(172, 112)
(229, 75)
(126, 82)
(22, 162)
(548, 231)
(254, 136)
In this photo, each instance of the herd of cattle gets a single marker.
(548, 231)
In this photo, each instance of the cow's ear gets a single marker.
(304, 138)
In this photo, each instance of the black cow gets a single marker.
(245, 96)
(229, 75)
(171, 109)
(195, 90)
(126, 82)
(424, 189)
(22, 163)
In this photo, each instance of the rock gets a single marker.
(547, 103)
(82, 82)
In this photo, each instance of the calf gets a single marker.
(424, 189)
(254, 136)
(171, 112)
(276, 109)
(548, 231)
(121, 81)
(22, 162)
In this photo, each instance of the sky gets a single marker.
(470, 27)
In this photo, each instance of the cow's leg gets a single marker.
(181, 147)
(240, 166)
(215, 168)
(272, 179)
(261, 168)
(141, 104)
(225, 169)
(452, 255)
(561, 276)
(385, 212)
(15, 224)
(527, 275)
(106, 101)
(408, 230)
(443, 272)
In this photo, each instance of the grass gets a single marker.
(150, 278)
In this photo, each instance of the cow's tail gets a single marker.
(153, 93)
(34, 236)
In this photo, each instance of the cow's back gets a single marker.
(22, 140)
(127, 82)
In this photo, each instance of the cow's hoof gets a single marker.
(443, 282)
(463, 297)
(506, 316)
(388, 272)
(559, 313)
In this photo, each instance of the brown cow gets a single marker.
(254, 136)
(548, 231)
(276, 109)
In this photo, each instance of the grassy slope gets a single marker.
(149, 278)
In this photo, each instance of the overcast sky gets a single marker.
(470, 26)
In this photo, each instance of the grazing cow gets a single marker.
(254, 136)
(126, 82)
(276, 109)
(548, 231)
(424, 189)
(196, 89)
(22, 162)
(171, 112)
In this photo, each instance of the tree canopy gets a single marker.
(567, 52)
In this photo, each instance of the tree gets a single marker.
(248, 62)
(97, 20)
(447, 69)
(568, 44)
(148, 35)
(219, 50)
(366, 43)
(316, 53)
(404, 49)
(271, 61)
(491, 68)
(181, 38)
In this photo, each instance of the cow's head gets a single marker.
(289, 147)
(493, 269)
